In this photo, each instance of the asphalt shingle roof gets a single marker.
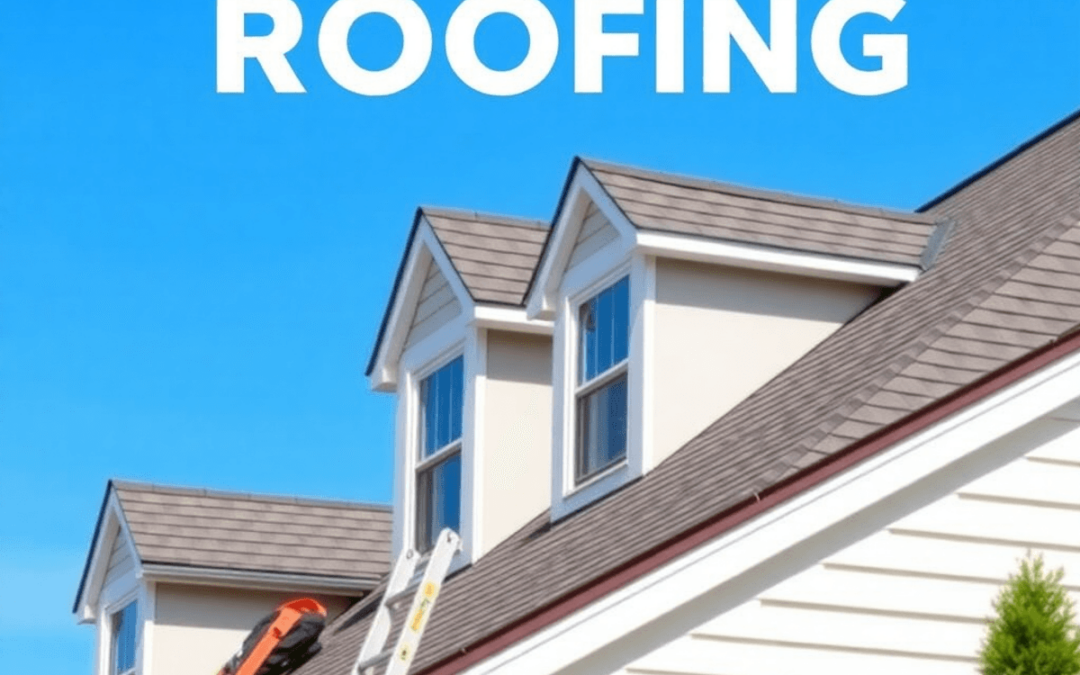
(495, 256)
(1006, 282)
(209, 529)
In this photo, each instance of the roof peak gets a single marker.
(483, 217)
(156, 488)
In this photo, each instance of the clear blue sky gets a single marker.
(190, 283)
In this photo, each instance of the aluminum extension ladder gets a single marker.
(402, 586)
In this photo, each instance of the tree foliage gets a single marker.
(1033, 632)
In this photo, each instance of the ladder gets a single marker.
(406, 582)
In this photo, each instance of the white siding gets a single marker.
(912, 597)
(437, 306)
(120, 560)
(596, 233)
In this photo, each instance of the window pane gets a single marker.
(441, 400)
(601, 428)
(587, 361)
(438, 501)
(620, 328)
(604, 321)
(125, 633)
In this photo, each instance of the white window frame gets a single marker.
(107, 631)
(418, 462)
(598, 382)
(579, 285)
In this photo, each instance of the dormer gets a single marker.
(472, 375)
(674, 299)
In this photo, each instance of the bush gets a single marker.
(1033, 632)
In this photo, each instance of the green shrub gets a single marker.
(1033, 632)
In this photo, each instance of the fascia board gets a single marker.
(511, 319)
(234, 578)
(583, 187)
(425, 246)
(772, 532)
(112, 524)
(751, 256)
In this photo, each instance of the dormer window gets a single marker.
(438, 478)
(603, 349)
(124, 640)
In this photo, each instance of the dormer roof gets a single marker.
(495, 256)
(664, 202)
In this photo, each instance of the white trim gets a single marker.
(510, 319)
(755, 257)
(204, 576)
(472, 461)
(105, 629)
(959, 445)
(583, 189)
(113, 524)
(425, 248)
(148, 615)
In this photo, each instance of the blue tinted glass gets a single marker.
(124, 639)
(448, 495)
(601, 428)
(604, 324)
(441, 396)
(603, 331)
(620, 328)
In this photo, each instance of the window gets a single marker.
(603, 345)
(124, 638)
(438, 480)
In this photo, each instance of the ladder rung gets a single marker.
(377, 660)
(404, 594)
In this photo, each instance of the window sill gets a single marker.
(596, 487)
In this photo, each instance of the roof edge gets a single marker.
(393, 295)
(93, 545)
(230, 576)
(1001, 161)
(250, 496)
(755, 505)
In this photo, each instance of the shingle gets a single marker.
(848, 385)
(716, 210)
(203, 528)
(495, 256)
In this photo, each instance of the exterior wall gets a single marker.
(596, 232)
(197, 628)
(120, 560)
(436, 307)
(721, 333)
(516, 462)
(913, 596)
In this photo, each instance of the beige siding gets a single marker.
(517, 433)
(596, 233)
(913, 596)
(436, 307)
(197, 628)
(120, 560)
(721, 333)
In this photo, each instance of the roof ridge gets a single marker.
(481, 216)
(778, 196)
(157, 488)
(1001, 161)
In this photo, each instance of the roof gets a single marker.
(1006, 284)
(212, 530)
(690, 206)
(495, 256)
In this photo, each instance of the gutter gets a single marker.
(738, 514)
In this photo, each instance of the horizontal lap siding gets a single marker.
(120, 560)
(436, 308)
(596, 232)
(914, 597)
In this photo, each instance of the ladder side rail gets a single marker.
(423, 603)
(379, 630)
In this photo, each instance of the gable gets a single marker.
(436, 307)
(120, 559)
(915, 594)
(596, 232)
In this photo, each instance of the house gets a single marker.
(176, 578)
(691, 428)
